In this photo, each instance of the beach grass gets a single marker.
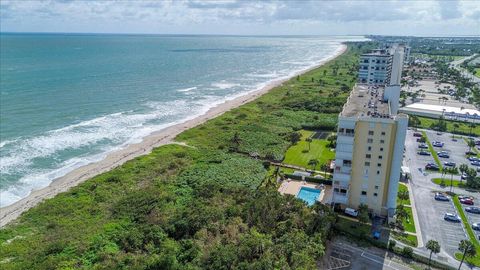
(198, 205)
(302, 152)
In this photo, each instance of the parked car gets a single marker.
(449, 164)
(437, 144)
(473, 209)
(423, 146)
(451, 217)
(475, 163)
(423, 153)
(417, 134)
(432, 167)
(467, 201)
(443, 154)
(473, 158)
(477, 142)
(476, 226)
(441, 197)
(351, 212)
(470, 153)
(464, 176)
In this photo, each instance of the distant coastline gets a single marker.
(156, 139)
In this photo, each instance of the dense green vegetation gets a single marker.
(207, 205)
(304, 151)
(402, 197)
(448, 182)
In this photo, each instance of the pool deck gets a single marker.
(292, 187)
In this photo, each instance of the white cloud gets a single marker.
(244, 17)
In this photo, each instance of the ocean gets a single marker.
(67, 100)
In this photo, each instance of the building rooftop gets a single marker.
(366, 100)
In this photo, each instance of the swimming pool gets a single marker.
(309, 195)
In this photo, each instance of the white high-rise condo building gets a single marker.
(383, 66)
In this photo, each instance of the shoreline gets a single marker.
(162, 137)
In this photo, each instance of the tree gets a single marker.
(309, 141)
(313, 163)
(434, 247)
(452, 171)
(414, 121)
(324, 167)
(463, 168)
(471, 144)
(455, 127)
(472, 126)
(363, 213)
(468, 250)
(403, 195)
(294, 137)
(401, 213)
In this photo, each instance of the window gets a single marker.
(370, 132)
(336, 190)
(368, 156)
(369, 148)
(364, 193)
(367, 163)
(344, 191)
(383, 133)
(380, 157)
(382, 141)
(347, 163)
(369, 140)
(376, 187)
(378, 172)
(381, 149)
(375, 194)
(379, 164)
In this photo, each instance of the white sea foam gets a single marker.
(187, 89)
(224, 85)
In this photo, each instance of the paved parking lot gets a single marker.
(451, 233)
(456, 149)
(472, 218)
(429, 211)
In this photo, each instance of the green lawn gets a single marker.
(474, 260)
(407, 239)
(463, 128)
(455, 183)
(402, 187)
(477, 72)
(299, 154)
(408, 223)
(432, 151)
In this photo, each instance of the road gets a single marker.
(456, 64)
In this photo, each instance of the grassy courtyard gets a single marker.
(402, 188)
(299, 154)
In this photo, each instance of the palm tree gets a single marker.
(463, 168)
(324, 167)
(471, 144)
(401, 213)
(309, 141)
(403, 195)
(452, 171)
(468, 250)
(313, 163)
(434, 247)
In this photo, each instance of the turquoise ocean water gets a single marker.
(67, 100)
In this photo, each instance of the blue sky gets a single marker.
(432, 18)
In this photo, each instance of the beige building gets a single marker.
(369, 152)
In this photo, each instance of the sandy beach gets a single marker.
(117, 158)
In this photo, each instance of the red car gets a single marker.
(468, 201)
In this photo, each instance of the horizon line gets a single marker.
(231, 35)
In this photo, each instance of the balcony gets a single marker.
(340, 198)
(343, 177)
